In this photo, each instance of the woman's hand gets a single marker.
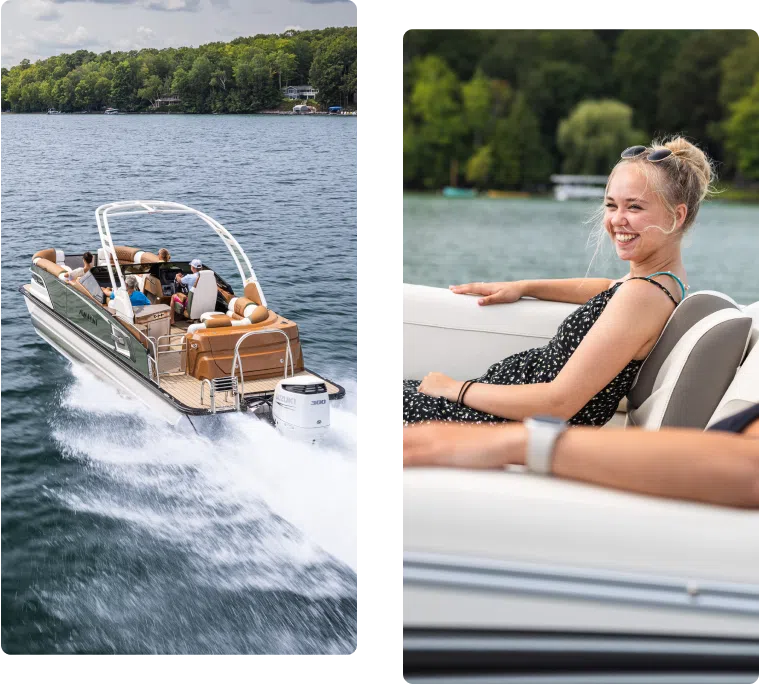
(440, 385)
(495, 293)
(457, 445)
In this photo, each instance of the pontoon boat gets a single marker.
(228, 352)
(515, 577)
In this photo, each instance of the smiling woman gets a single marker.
(581, 375)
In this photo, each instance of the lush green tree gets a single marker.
(594, 134)
(121, 86)
(742, 132)
(739, 69)
(479, 166)
(688, 100)
(519, 158)
(641, 58)
(439, 127)
(330, 69)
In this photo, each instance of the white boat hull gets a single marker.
(78, 349)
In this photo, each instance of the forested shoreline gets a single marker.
(245, 75)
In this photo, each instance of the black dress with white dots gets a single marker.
(541, 364)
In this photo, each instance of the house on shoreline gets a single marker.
(300, 92)
(166, 100)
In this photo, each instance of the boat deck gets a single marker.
(186, 389)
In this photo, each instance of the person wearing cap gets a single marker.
(179, 300)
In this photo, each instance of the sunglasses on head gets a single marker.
(637, 150)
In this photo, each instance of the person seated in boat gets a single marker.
(651, 200)
(164, 255)
(135, 296)
(87, 260)
(185, 282)
(720, 465)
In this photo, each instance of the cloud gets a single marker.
(159, 5)
(321, 2)
(42, 10)
(292, 28)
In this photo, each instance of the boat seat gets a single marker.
(202, 296)
(691, 366)
(744, 389)
(255, 314)
(56, 256)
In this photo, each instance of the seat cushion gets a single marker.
(744, 389)
(695, 373)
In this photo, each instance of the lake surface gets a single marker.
(451, 241)
(119, 534)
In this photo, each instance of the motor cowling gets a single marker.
(301, 407)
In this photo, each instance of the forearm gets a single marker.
(710, 467)
(571, 290)
(517, 402)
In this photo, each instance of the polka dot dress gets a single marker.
(532, 366)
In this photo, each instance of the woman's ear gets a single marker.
(681, 211)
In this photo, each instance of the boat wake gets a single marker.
(253, 508)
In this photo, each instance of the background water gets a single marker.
(451, 241)
(120, 535)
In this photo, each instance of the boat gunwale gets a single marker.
(145, 381)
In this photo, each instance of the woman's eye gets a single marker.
(634, 206)
(610, 206)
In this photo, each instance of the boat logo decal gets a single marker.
(86, 314)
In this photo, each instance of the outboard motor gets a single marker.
(301, 407)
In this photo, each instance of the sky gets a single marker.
(35, 29)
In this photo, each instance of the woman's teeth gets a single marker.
(625, 237)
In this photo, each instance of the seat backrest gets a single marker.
(202, 295)
(744, 389)
(694, 361)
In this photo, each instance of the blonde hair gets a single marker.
(686, 176)
(163, 254)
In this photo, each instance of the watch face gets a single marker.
(553, 420)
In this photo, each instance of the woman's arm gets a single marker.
(633, 319)
(571, 290)
(711, 467)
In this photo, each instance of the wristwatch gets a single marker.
(542, 433)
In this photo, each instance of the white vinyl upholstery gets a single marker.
(202, 295)
(744, 389)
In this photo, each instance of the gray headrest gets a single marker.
(691, 310)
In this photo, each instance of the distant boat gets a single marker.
(303, 109)
(53, 111)
(449, 191)
(111, 110)
(578, 187)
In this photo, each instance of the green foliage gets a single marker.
(641, 58)
(244, 75)
(688, 92)
(473, 100)
(742, 132)
(595, 133)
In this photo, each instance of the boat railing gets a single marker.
(167, 344)
(238, 362)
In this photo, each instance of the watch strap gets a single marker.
(541, 440)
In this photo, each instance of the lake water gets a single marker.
(450, 241)
(120, 535)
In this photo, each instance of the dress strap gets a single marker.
(653, 282)
(671, 275)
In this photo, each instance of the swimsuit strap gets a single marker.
(671, 275)
(653, 282)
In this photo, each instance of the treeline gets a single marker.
(244, 75)
(506, 109)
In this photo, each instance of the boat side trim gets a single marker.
(431, 569)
